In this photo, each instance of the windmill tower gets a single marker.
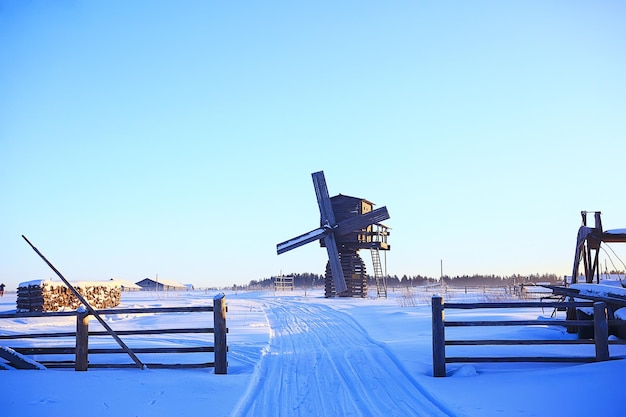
(347, 224)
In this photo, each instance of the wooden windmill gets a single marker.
(344, 229)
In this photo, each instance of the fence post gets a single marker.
(219, 333)
(439, 339)
(601, 331)
(82, 339)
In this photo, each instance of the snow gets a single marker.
(35, 282)
(75, 284)
(299, 354)
(616, 231)
(601, 290)
(23, 358)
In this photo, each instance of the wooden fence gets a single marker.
(81, 350)
(600, 325)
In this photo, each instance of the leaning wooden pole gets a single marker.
(89, 307)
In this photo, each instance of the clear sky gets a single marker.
(178, 138)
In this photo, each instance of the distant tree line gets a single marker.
(310, 280)
(498, 281)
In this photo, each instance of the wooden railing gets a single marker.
(600, 324)
(81, 350)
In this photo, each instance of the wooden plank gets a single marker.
(112, 351)
(188, 349)
(526, 304)
(60, 350)
(64, 365)
(498, 359)
(157, 331)
(27, 314)
(150, 310)
(17, 360)
(36, 335)
(519, 323)
(197, 309)
(505, 342)
(105, 333)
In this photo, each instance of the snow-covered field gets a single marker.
(299, 354)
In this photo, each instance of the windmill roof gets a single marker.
(352, 197)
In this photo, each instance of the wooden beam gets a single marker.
(219, 335)
(17, 360)
(335, 264)
(479, 323)
(439, 338)
(301, 240)
(498, 359)
(361, 221)
(82, 340)
(601, 331)
(526, 304)
(518, 342)
(323, 199)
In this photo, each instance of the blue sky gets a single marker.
(178, 138)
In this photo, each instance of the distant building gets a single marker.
(283, 283)
(149, 284)
(126, 285)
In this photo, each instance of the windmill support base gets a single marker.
(355, 275)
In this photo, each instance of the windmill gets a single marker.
(343, 234)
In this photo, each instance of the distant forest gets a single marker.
(309, 280)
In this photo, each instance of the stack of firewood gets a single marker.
(52, 296)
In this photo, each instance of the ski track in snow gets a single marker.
(321, 362)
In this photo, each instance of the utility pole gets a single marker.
(441, 273)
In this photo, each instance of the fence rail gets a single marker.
(81, 350)
(600, 324)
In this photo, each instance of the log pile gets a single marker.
(45, 295)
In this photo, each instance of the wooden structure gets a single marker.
(46, 295)
(283, 283)
(347, 224)
(148, 284)
(372, 237)
(599, 323)
(81, 352)
(588, 242)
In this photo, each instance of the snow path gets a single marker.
(321, 362)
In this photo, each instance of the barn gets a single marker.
(149, 284)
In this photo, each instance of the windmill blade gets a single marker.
(359, 222)
(298, 241)
(323, 199)
(335, 263)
